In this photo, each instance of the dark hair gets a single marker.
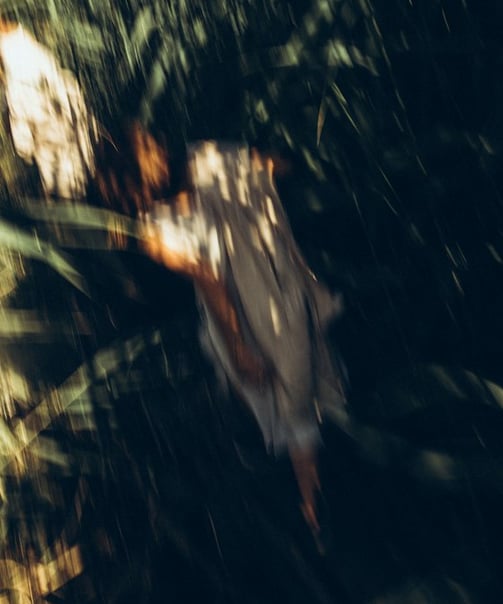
(132, 169)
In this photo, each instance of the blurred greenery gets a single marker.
(386, 118)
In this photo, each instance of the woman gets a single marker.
(263, 312)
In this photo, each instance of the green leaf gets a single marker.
(29, 245)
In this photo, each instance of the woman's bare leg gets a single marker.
(305, 466)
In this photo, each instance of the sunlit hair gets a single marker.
(131, 170)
